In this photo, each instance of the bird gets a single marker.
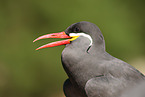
(91, 71)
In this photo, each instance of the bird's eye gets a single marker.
(77, 30)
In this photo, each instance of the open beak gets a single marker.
(57, 43)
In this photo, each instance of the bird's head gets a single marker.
(78, 30)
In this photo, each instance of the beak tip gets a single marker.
(35, 40)
(37, 49)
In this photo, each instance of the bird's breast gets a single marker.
(79, 66)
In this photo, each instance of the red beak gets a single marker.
(54, 35)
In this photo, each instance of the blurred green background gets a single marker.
(25, 72)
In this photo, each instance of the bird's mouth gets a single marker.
(57, 43)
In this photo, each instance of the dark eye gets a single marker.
(77, 30)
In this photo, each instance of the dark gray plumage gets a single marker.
(137, 91)
(91, 70)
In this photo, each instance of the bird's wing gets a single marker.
(70, 90)
(104, 87)
(119, 77)
(137, 91)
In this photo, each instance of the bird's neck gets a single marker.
(75, 60)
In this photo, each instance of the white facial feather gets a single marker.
(84, 35)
